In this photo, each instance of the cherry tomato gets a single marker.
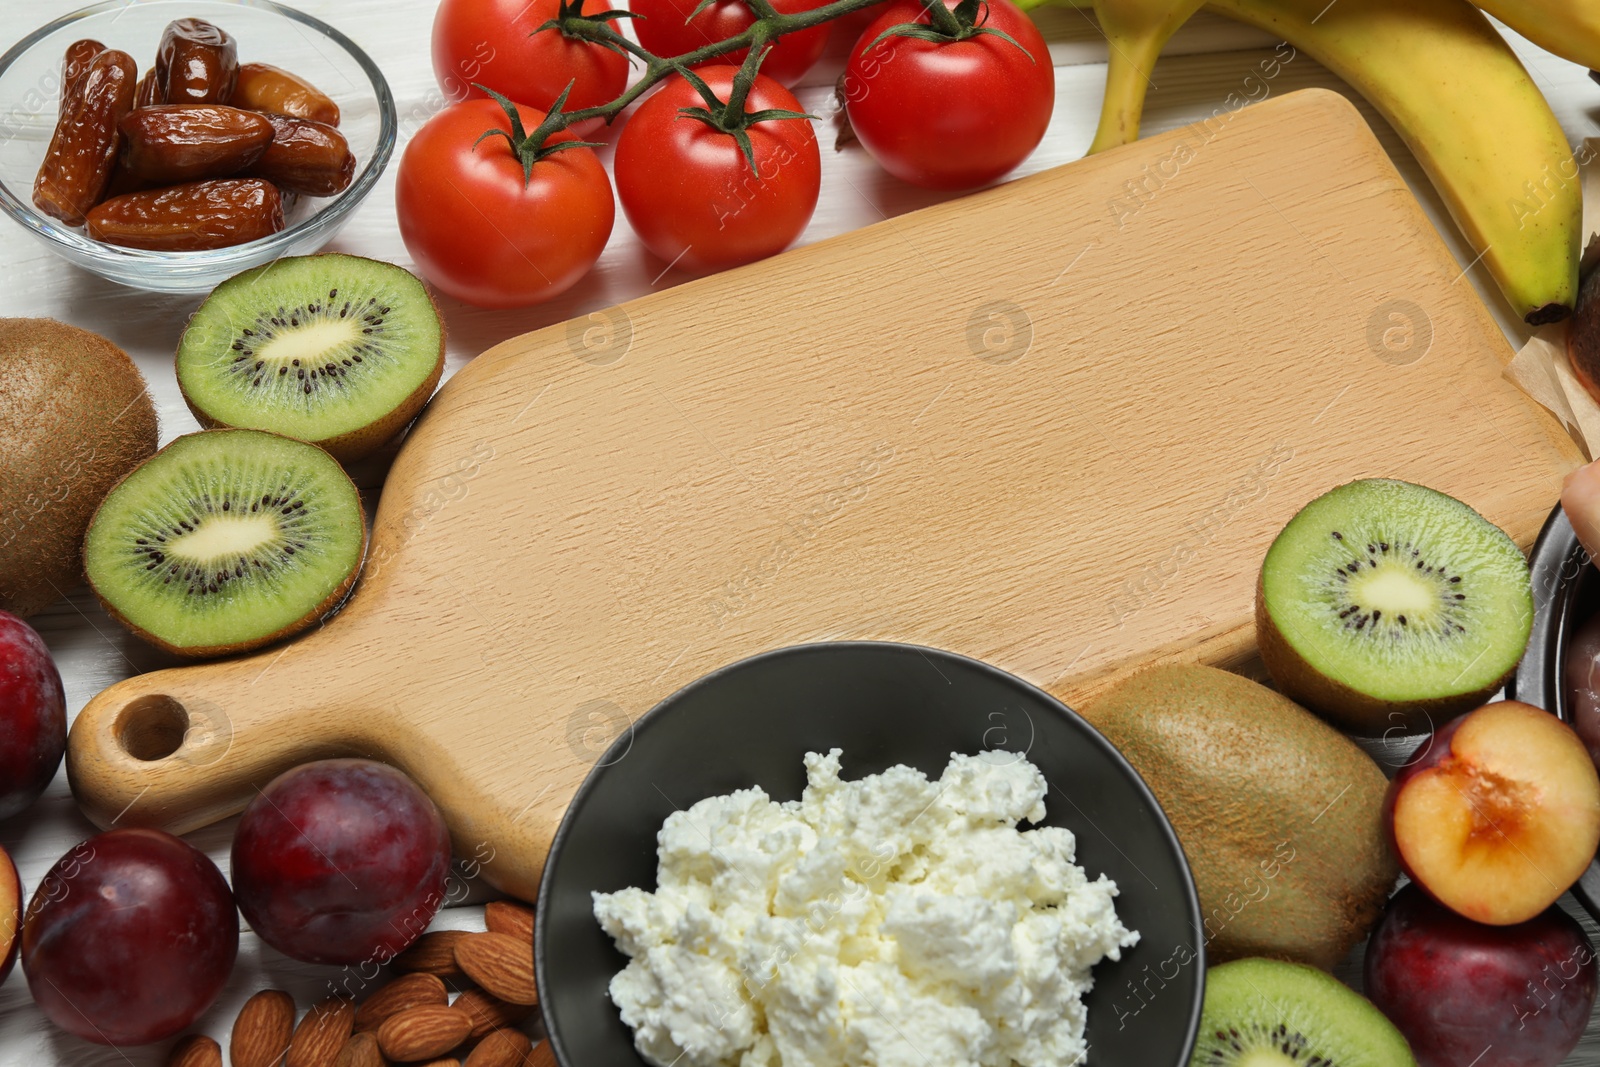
(950, 115)
(689, 191)
(477, 230)
(666, 29)
(847, 29)
(493, 43)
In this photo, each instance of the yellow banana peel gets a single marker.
(1569, 28)
(1136, 31)
(1456, 92)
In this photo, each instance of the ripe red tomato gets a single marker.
(666, 29)
(847, 28)
(950, 115)
(493, 43)
(482, 234)
(689, 191)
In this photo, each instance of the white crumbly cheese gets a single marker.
(891, 921)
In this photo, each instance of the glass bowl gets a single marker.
(30, 89)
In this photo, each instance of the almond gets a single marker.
(261, 1032)
(196, 1050)
(509, 917)
(501, 964)
(360, 1051)
(408, 991)
(432, 953)
(502, 1048)
(543, 1055)
(322, 1033)
(423, 1033)
(488, 1012)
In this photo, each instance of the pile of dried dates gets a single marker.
(201, 153)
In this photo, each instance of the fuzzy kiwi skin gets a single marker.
(1279, 814)
(1349, 709)
(311, 618)
(75, 417)
(360, 443)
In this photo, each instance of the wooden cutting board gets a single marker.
(1053, 425)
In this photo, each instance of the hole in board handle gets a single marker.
(152, 727)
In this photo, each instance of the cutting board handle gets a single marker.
(178, 749)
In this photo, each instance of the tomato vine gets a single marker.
(944, 24)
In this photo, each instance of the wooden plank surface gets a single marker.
(983, 427)
(1208, 59)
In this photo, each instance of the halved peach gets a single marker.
(1499, 814)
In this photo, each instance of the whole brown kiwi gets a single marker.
(1279, 814)
(74, 418)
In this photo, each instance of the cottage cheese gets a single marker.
(891, 921)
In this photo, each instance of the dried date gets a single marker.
(149, 93)
(172, 143)
(306, 157)
(196, 63)
(263, 87)
(186, 218)
(83, 150)
(80, 54)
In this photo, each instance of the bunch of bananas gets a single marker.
(1448, 83)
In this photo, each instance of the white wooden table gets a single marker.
(1209, 59)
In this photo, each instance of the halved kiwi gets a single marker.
(1266, 1013)
(226, 540)
(1390, 607)
(333, 349)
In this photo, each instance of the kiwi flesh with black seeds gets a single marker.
(1268, 1013)
(1390, 608)
(333, 349)
(226, 540)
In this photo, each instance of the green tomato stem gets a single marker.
(942, 19)
(766, 28)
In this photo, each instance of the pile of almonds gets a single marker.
(410, 1019)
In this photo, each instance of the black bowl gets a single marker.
(883, 704)
(1566, 594)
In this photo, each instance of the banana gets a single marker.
(1448, 83)
(1456, 92)
(1569, 28)
(1137, 30)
